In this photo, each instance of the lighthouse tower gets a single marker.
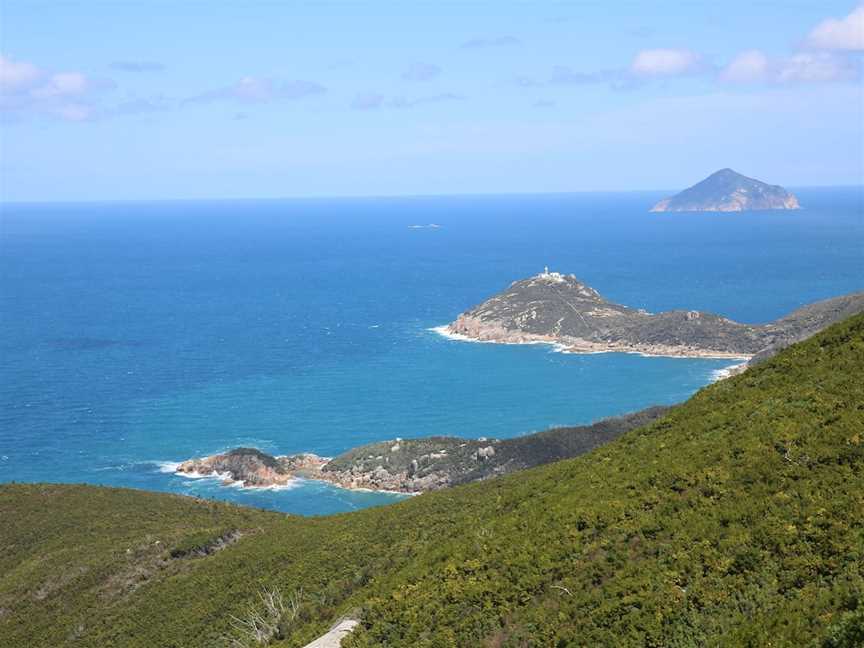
(556, 277)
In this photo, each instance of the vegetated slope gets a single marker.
(734, 520)
(430, 463)
(72, 557)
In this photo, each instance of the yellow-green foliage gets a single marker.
(735, 520)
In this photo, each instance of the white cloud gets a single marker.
(665, 62)
(811, 67)
(63, 84)
(751, 66)
(28, 89)
(839, 33)
(18, 75)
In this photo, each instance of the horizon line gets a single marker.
(478, 194)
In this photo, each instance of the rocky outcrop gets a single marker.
(418, 465)
(556, 308)
(728, 191)
(252, 468)
(404, 465)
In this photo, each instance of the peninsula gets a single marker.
(417, 465)
(550, 308)
(559, 309)
(728, 191)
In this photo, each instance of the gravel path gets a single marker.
(334, 637)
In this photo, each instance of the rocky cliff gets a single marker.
(729, 191)
(555, 308)
(252, 468)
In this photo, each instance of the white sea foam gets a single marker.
(166, 466)
(444, 331)
(725, 372)
(223, 478)
(193, 474)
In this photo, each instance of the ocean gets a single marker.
(136, 335)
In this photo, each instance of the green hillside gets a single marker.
(736, 520)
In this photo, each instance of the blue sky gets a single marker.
(135, 100)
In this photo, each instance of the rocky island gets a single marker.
(559, 309)
(728, 191)
(416, 465)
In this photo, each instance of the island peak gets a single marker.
(727, 190)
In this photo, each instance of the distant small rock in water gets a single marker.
(728, 191)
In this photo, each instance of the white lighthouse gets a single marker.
(556, 277)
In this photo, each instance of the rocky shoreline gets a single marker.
(411, 466)
(251, 468)
(476, 330)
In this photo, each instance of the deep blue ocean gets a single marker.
(133, 335)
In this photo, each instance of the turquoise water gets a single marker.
(137, 335)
